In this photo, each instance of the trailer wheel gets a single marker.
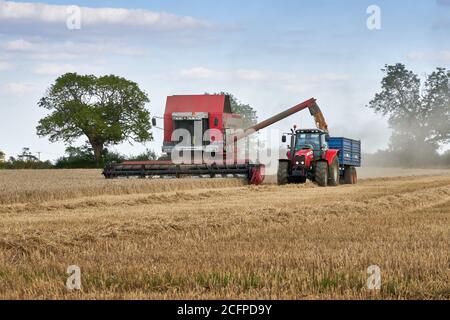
(322, 173)
(350, 176)
(334, 173)
(354, 176)
(283, 172)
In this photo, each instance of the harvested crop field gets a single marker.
(200, 239)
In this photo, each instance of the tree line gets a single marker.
(74, 158)
(109, 110)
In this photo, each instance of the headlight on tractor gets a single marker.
(299, 160)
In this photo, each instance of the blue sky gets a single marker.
(271, 54)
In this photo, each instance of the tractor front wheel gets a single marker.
(334, 173)
(283, 172)
(322, 173)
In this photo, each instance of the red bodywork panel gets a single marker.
(330, 155)
(146, 162)
(309, 156)
(217, 106)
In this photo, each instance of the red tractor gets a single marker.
(314, 155)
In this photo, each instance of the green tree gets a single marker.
(2, 156)
(144, 156)
(83, 157)
(248, 114)
(106, 110)
(436, 101)
(400, 100)
(27, 156)
(26, 160)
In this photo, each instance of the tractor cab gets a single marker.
(314, 140)
(305, 141)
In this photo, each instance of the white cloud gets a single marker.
(5, 65)
(295, 88)
(48, 13)
(443, 56)
(21, 88)
(54, 68)
(54, 56)
(291, 81)
(69, 50)
(201, 73)
(440, 56)
(288, 82)
(239, 74)
(251, 75)
(415, 55)
(304, 84)
(331, 77)
(18, 45)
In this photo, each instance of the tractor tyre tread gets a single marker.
(283, 173)
(334, 180)
(322, 173)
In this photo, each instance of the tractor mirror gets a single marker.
(216, 122)
(283, 139)
(154, 122)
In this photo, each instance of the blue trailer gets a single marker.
(349, 150)
(349, 156)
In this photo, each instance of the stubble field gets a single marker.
(201, 239)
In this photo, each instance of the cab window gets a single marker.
(304, 140)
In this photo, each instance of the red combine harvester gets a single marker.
(197, 114)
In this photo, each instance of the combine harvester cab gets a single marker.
(203, 116)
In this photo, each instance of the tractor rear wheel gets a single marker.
(283, 173)
(334, 173)
(322, 173)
